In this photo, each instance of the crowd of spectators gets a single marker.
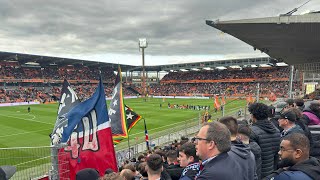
(83, 75)
(245, 73)
(279, 88)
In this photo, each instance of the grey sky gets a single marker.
(108, 31)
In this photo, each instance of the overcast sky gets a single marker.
(105, 30)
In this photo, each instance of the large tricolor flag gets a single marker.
(88, 135)
(117, 110)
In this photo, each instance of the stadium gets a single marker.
(170, 101)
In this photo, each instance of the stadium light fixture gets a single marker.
(142, 45)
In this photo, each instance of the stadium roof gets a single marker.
(291, 39)
(43, 61)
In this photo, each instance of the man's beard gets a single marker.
(286, 162)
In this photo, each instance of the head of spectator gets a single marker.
(162, 154)
(280, 106)
(187, 154)
(142, 170)
(112, 176)
(294, 148)
(258, 111)
(287, 119)
(141, 158)
(299, 102)
(172, 157)
(315, 108)
(87, 173)
(212, 139)
(244, 132)
(290, 103)
(127, 174)
(232, 125)
(154, 166)
(132, 168)
(108, 171)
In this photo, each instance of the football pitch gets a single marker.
(18, 128)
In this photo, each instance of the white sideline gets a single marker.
(27, 119)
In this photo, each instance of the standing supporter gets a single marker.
(213, 144)
(189, 161)
(154, 167)
(299, 103)
(240, 151)
(287, 121)
(311, 113)
(296, 164)
(174, 168)
(244, 133)
(266, 135)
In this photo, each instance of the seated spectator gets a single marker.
(189, 161)
(296, 164)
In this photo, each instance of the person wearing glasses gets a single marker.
(296, 164)
(212, 145)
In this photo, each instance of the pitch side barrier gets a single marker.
(18, 104)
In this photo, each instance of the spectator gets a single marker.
(174, 168)
(299, 103)
(112, 176)
(239, 151)
(154, 167)
(213, 144)
(87, 174)
(142, 170)
(189, 161)
(311, 113)
(244, 133)
(127, 174)
(266, 135)
(296, 164)
(287, 121)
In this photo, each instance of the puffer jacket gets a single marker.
(268, 138)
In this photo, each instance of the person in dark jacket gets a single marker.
(299, 103)
(287, 121)
(173, 168)
(296, 164)
(239, 150)
(213, 145)
(266, 135)
(244, 133)
(311, 116)
(189, 161)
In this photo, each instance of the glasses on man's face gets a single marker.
(197, 139)
(282, 149)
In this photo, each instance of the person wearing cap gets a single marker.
(287, 121)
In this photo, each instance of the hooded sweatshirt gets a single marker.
(243, 155)
(308, 169)
(268, 138)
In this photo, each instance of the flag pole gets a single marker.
(129, 146)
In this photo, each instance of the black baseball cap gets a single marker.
(290, 115)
